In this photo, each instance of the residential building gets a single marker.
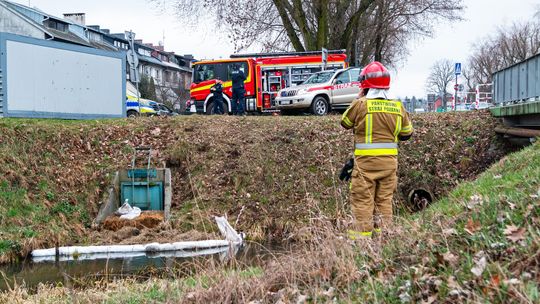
(171, 72)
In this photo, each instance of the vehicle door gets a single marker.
(345, 87)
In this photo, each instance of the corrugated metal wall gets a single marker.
(1, 92)
(518, 82)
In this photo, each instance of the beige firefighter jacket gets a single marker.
(378, 124)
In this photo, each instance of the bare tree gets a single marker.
(377, 29)
(440, 77)
(509, 46)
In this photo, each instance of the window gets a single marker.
(144, 52)
(56, 25)
(320, 77)
(95, 36)
(354, 74)
(230, 67)
(223, 71)
(187, 83)
(344, 77)
(121, 45)
(204, 72)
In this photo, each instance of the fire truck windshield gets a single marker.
(219, 70)
(320, 77)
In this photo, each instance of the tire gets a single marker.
(132, 113)
(319, 106)
(210, 108)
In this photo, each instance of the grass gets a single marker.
(276, 177)
(469, 223)
(427, 257)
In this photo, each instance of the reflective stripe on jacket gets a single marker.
(377, 125)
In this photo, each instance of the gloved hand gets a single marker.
(346, 171)
(404, 137)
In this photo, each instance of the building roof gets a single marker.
(149, 59)
(71, 37)
(68, 36)
(55, 34)
(103, 46)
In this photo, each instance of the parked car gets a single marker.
(322, 92)
(165, 110)
(143, 107)
(483, 105)
(462, 107)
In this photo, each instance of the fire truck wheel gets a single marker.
(319, 106)
(210, 109)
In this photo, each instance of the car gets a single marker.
(165, 111)
(483, 105)
(140, 107)
(322, 92)
(461, 107)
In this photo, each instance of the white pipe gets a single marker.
(152, 247)
(231, 238)
(123, 255)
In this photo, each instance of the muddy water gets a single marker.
(69, 272)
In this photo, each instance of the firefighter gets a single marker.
(238, 91)
(217, 90)
(378, 123)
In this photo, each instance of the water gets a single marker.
(52, 272)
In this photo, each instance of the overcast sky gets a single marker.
(452, 41)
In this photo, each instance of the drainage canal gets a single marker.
(32, 274)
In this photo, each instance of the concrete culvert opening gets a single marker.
(419, 199)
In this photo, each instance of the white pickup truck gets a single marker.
(322, 92)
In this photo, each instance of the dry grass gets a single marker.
(425, 258)
(147, 219)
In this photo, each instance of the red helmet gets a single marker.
(375, 76)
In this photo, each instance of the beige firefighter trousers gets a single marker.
(371, 197)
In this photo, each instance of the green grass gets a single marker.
(410, 267)
(479, 212)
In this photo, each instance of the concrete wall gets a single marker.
(14, 24)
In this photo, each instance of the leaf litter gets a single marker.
(274, 172)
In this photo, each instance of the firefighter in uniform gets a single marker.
(217, 90)
(238, 91)
(378, 124)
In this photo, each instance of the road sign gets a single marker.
(457, 69)
(324, 57)
(456, 87)
(132, 58)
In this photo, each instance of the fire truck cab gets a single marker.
(266, 74)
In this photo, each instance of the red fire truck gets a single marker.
(266, 74)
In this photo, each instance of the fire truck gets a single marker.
(266, 74)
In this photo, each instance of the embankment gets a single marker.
(268, 174)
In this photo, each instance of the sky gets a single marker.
(452, 41)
